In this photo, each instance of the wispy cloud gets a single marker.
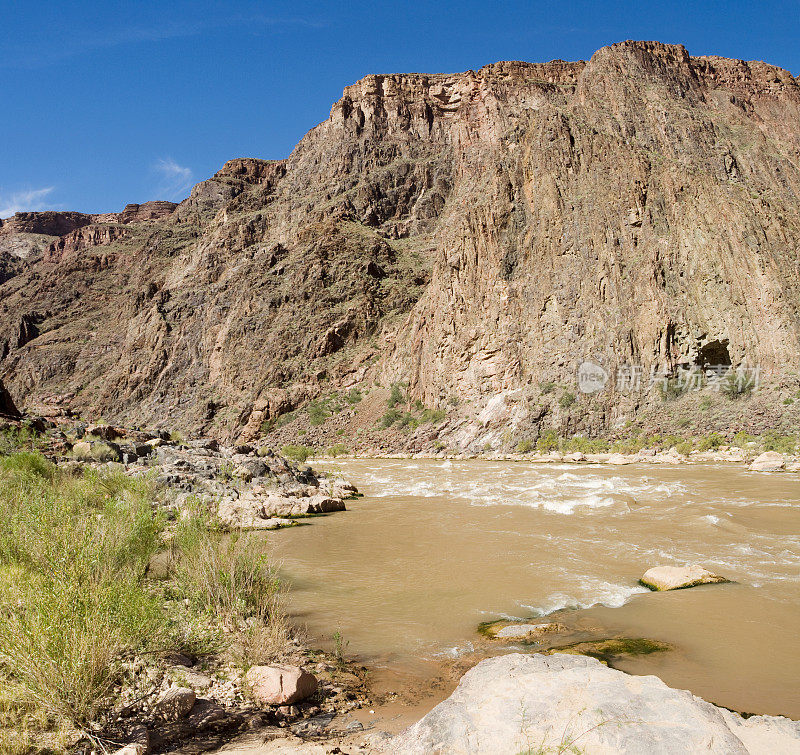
(176, 180)
(81, 40)
(24, 201)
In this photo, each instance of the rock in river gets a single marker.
(661, 578)
(562, 703)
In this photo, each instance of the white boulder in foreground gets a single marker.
(568, 703)
(769, 461)
(678, 577)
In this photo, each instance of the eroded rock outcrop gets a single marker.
(471, 235)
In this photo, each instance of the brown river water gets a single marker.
(436, 547)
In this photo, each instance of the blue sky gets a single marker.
(106, 103)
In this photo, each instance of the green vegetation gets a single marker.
(567, 399)
(524, 447)
(74, 551)
(672, 388)
(736, 386)
(709, 442)
(77, 600)
(339, 449)
(785, 444)
(608, 650)
(415, 415)
(318, 412)
(275, 423)
(546, 388)
(547, 441)
(396, 396)
(297, 453)
(353, 396)
(228, 578)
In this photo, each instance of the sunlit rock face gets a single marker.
(468, 234)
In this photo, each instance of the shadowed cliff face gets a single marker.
(468, 234)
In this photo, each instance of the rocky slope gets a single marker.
(475, 236)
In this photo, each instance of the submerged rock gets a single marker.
(609, 649)
(520, 703)
(502, 630)
(661, 578)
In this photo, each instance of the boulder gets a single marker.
(620, 459)
(564, 703)
(661, 578)
(769, 461)
(505, 631)
(106, 432)
(175, 703)
(135, 749)
(280, 685)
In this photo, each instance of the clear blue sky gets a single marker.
(105, 103)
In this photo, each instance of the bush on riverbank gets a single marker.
(549, 441)
(73, 551)
(77, 599)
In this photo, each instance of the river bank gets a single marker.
(388, 594)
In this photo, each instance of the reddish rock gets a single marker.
(136, 213)
(48, 223)
(280, 685)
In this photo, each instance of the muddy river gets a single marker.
(436, 547)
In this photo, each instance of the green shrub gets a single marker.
(547, 441)
(317, 413)
(735, 386)
(672, 388)
(433, 415)
(339, 449)
(547, 387)
(774, 441)
(712, 441)
(684, 448)
(395, 396)
(229, 578)
(353, 396)
(742, 439)
(525, 447)
(78, 548)
(567, 399)
(390, 418)
(297, 453)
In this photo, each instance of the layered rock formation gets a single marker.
(470, 235)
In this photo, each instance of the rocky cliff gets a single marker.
(471, 235)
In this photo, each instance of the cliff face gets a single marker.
(468, 234)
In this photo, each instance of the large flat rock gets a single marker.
(563, 703)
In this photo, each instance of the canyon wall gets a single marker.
(469, 235)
